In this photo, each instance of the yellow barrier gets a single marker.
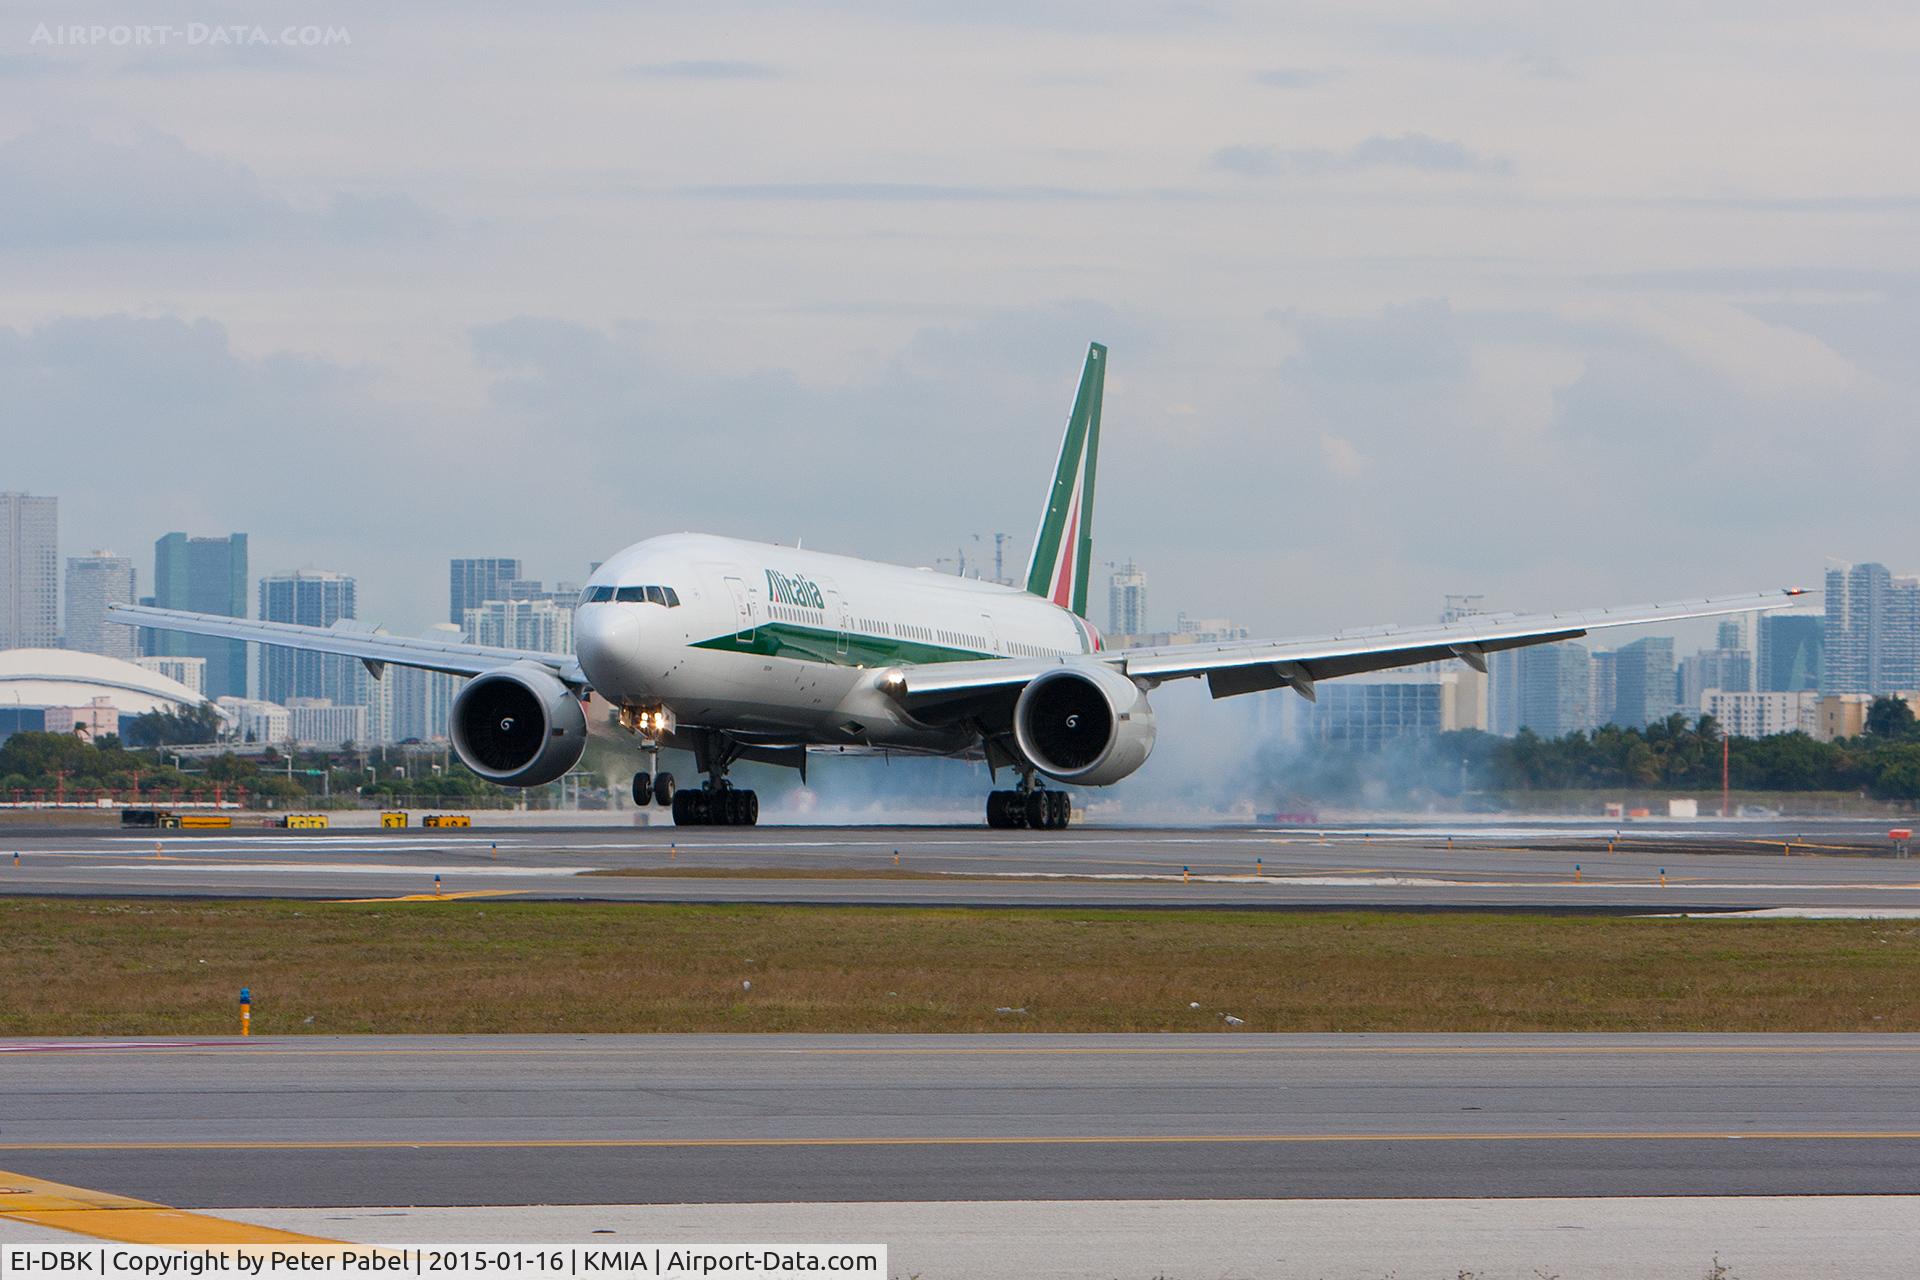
(393, 819)
(305, 821)
(446, 820)
(206, 821)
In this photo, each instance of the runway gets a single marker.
(319, 1121)
(1826, 865)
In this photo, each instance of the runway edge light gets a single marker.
(246, 1011)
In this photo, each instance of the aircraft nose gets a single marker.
(606, 638)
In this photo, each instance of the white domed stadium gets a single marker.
(69, 680)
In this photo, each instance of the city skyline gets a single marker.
(1552, 690)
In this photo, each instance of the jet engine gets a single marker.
(1084, 724)
(518, 726)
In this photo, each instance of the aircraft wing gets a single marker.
(374, 648)
(1249, 666)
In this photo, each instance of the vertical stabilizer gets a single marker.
(1063, 547)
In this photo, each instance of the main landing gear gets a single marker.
(1030, 806)
(719, 803)
(726, 806)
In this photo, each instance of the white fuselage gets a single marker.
(779, 644)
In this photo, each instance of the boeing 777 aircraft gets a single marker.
(752, 651)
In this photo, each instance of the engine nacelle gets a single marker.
(518, 726)
(1088, 724)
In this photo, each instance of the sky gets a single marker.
(1563, 306)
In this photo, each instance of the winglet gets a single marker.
(1063, 547)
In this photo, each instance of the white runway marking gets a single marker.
(1803, 913)
(333, 868)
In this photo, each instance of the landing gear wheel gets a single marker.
(753, 809)
(642, 788)
(1006, 809)
(664, 789)
(1059, 810)
(1038, 810)
(689, 809)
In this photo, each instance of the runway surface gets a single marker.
(1681, 867)
(318, 1121)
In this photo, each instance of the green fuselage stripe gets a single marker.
(837, 648)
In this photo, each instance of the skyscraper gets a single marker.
(93, 582)
(1552, 685)
(423, 700)
(29, 571)
(1872, 638)
(1127, 601)
(473, 582)
(1643, 682)
(313, 598)
(522, 624)
(1789, 656)
(205, 575)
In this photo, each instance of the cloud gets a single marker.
(1416, 151)
(1292, 77)
(61, 185)
(1341, 456)
(1405, 343)
(889, 192)
(702, 69)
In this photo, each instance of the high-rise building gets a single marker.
(1789, 646)
(423, 700)
(1643, 682)
(522, 624)
(311, 598)
(1127, 601)
(1728, 670)
(205, 575)
(29, 571)
(1872, 637)
(93, 582)
(473, 582)
(1553, 685)
(1762, 714)
(1603, 685)
(1366, 713)
(191, 672)
(318, 722)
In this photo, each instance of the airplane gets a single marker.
(754, 651)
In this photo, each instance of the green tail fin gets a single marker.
(1063, 548)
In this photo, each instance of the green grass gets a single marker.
(175, 968)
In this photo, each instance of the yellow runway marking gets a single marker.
(972, 1140)
(438, 897)
(109, 1217)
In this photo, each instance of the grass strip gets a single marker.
(142, 967)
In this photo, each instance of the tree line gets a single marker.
(1677, 753)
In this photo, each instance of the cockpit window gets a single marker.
(664, 596)
(597, 595)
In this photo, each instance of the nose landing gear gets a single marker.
(653, 788)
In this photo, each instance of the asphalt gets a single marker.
(1676, 867)
(318, 1121)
